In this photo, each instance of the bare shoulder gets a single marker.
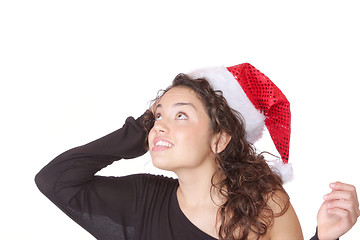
(286, 223)
(278, 202)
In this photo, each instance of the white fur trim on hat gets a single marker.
(221, 79)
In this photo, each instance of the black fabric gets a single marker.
(140, 206)
(135, 207)
(315, 237)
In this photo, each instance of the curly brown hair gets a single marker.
(248, 183)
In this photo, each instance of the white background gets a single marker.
(72, 71)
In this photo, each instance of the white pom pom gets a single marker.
(284, 170)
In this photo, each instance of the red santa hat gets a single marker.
(261, 104)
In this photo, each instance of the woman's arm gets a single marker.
(96, 202)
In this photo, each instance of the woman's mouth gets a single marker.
(162, 144)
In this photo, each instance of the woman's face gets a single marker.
(180, 138)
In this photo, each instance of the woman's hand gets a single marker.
(339, 212)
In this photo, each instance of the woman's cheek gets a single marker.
(150, 137)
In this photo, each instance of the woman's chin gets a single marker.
(162, 164)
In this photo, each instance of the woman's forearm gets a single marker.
(64, 176)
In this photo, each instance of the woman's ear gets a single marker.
(220, 140)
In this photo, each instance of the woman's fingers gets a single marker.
(343, 204)
(337, 195)
(343, 200)
(342, 186)
(342, 191)
(339, 187)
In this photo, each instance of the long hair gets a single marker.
(247, 183)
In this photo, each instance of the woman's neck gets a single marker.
(195, 188)
(199, 201)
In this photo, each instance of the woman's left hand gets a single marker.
(339, 212)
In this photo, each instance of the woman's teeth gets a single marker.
(163, 143)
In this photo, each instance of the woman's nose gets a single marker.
(161, 126)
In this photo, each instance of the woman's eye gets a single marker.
(158, 116)
(181, 116)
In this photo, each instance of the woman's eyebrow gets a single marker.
(179, 104)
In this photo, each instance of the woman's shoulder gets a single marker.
(150, 180)
(158, 188)
(286, 223)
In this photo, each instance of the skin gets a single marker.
(286, 226)
(181, 120)
(339, 212)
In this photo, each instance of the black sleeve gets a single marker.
(104, 206)
(315, 237)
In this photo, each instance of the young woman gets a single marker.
(224, 189)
